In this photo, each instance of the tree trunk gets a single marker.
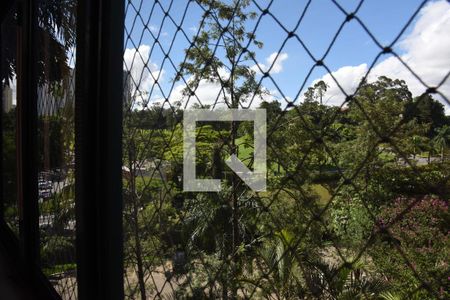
(235, 215)
(224, 278)
(135, 224)
(139, 260)
(46, 143)
(234, 192)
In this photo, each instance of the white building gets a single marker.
(52, 98)
(7, 99)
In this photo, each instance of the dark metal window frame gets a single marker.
(98, 148)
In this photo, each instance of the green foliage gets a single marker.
(442, 139)
(56, 250)
(364, 155)
(391, 181)
(422, 235)
(56, 269)
(427, 111)
(224, 26)
(9, 165)
(350, 218)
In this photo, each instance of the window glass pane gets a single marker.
(56, 183)
(8, 83)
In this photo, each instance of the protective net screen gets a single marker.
(354, 203)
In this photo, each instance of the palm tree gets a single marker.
(56, 30)
(300, 273)
(279, 256)
(417, 144)
(346, 282)
(442, 139)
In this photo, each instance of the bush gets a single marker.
(423, 236)
(57, 250)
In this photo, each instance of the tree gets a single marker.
(442, 139)
(316, 92)
(379, 127)
(56, 29)
(276, 125)
(428, 111)
(418, 143)
(224, 28)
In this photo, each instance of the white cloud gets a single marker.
(155, 31)
(425, 51)
(275, 59)
(211, 94)
(348, 77)
(207, 93)
(143, 72)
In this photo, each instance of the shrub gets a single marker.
(422, 234)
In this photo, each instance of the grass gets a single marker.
(245, 151)
(59, 269)
(322, 192)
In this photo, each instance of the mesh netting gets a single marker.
(357, 187)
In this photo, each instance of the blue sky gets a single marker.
(348, 59)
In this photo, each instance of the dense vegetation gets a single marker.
(357, 199)
(379, 230)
